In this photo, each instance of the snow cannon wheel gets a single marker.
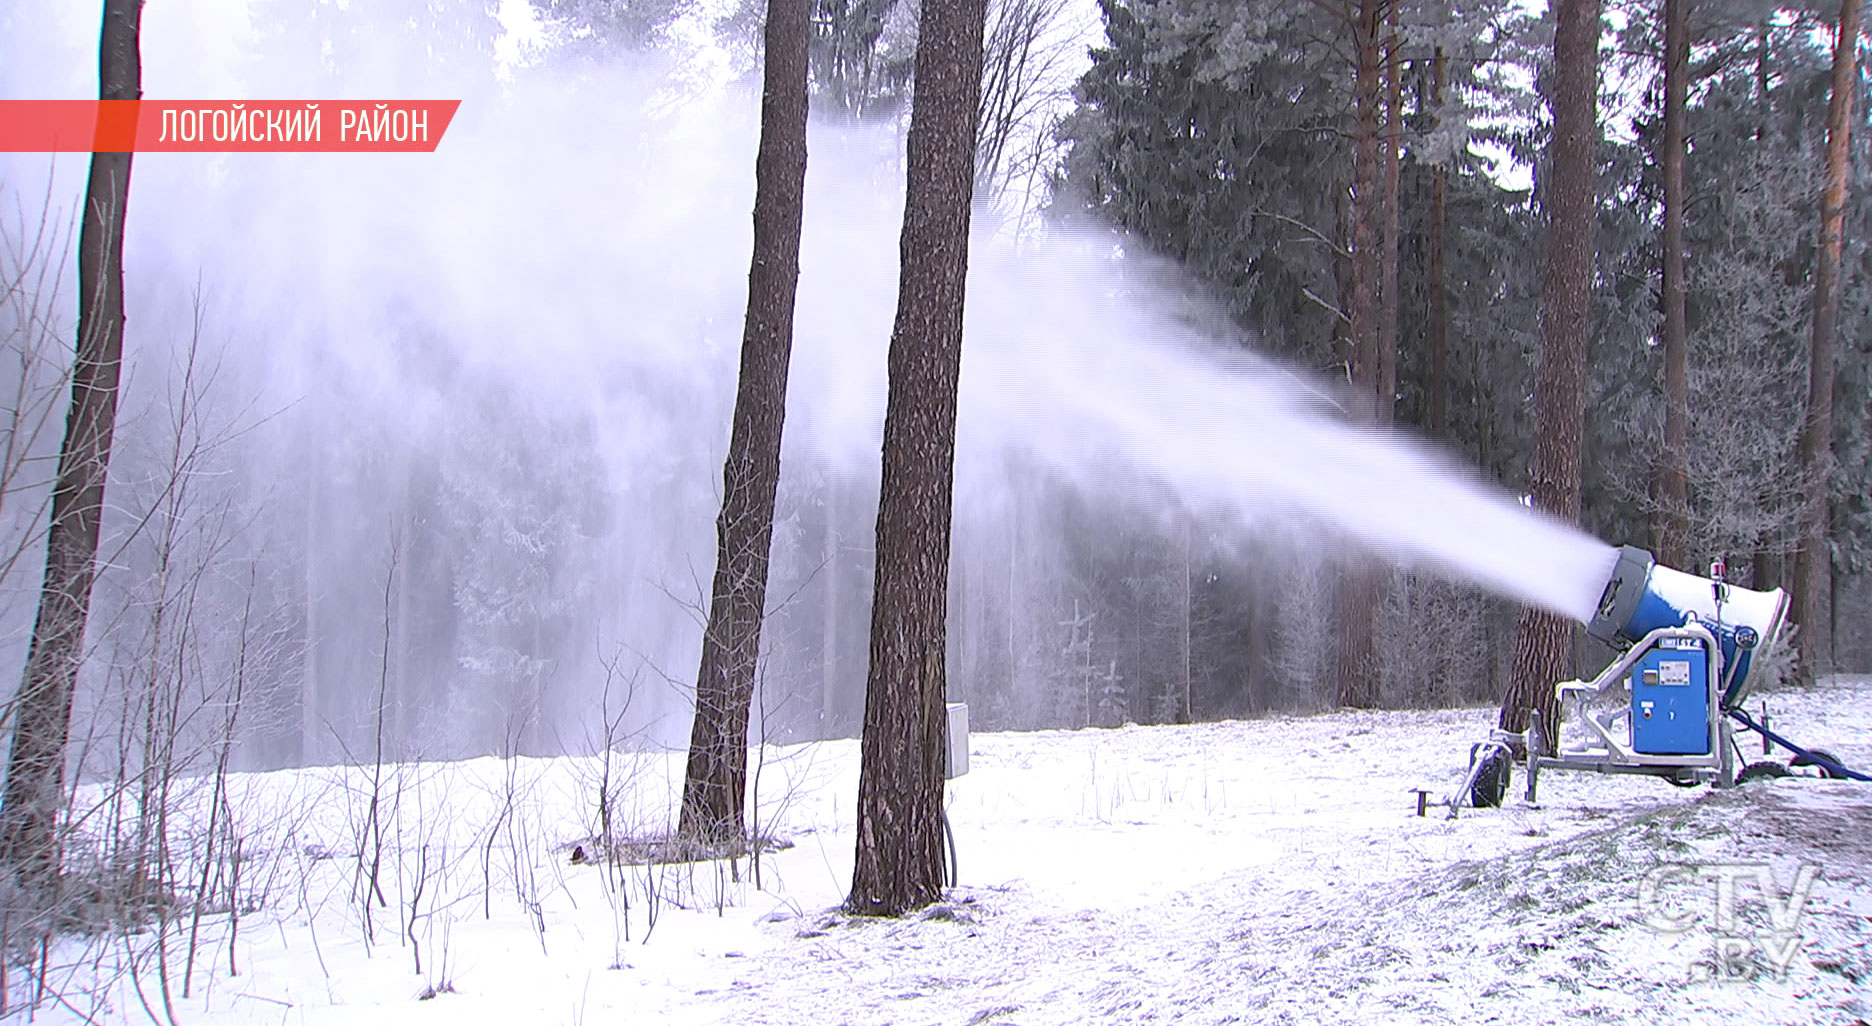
(1802, 760)
(1688, 778)
(1762, 771)
(1492, 782)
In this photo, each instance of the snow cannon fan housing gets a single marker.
(1642, 596)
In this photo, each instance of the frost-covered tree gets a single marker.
(595, 28)
(860, 55)
(511, 521)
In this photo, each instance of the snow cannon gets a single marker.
(1668, 703)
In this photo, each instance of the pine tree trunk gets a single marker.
(1392, 138)
(1013, 682)
(1437, 421)
(898, 862)
(1542, 640)
(1357, 651)
(829, 625)
(34, 791)
(1673, 497)
(1185, 712)
(311, 717)
(1357, 648)
(715, 784)
(968, 640)
(1764, 102)
(1367, 203)
(1764, 568)
(1813, 567)
(400, 698)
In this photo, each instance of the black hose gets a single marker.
(1820, 760)
(949, 867)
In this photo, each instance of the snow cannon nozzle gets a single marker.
(1623, 591)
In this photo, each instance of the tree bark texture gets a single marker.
(1437, 420)
(1542, 640)
(1813, 567)
(1673, 494)
(1358, 589)
(1392, 138)
(898, 864)
(715, 783)
(34, 792)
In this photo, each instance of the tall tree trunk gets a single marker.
(898, 862)
(1813, 568)
(1185, 712)
(970, 569)
(311, 717)
(1764, 568)
(1015, 685)
(401, 674)
(1393, 138)
(1362, 306)
(829, 625)
(1437, 421)
(1543, 640)
(1764, 102)
(715, 784)
(42, 711)
(1358, 590)
(1673, 475)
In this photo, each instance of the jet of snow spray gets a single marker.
(1071, 352)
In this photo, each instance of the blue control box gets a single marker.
(1670, 699)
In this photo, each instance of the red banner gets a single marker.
(223, 126)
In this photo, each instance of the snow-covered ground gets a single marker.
(1262, 871)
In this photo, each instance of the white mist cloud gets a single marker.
(583, 238)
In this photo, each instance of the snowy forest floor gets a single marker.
(1256, 871)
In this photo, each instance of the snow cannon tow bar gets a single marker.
(1687, 645)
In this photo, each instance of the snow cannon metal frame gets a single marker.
(1688, 645)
